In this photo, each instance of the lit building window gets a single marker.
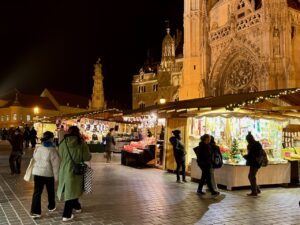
(7, 117)
(15, 117)
(28, 117)
(2, 118)
(21, 117)
(142, 105)
(142, 89)
(155, 87)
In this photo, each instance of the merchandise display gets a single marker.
(230, 134)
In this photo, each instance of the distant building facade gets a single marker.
(160, 81)
(17, 109)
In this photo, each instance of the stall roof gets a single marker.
(231, 101)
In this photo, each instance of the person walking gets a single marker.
(217, 161)
(179, 154)
(204, 160)
(45, 172)
(26, 136)
(33, 137)
(70, 186)
(110, 144)
(253, 148)
(15, 158)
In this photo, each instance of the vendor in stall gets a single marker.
(94, 137)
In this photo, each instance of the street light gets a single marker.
(162, 101)
(36, 110)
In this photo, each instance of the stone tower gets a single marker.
(195, 50)
(98, 101)
(168, 51)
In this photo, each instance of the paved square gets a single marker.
(124, 195)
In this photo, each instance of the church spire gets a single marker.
(168, 50)
(98, 101)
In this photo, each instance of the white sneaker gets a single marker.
(52, 210)
(35, 216)
(65, 219)
(78, 210)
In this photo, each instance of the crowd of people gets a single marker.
(209, 158)
(51, 166)
(19, 138)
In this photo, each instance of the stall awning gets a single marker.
(229, 102)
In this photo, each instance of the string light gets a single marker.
(258, 99)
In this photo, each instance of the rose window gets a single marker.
(240, 75)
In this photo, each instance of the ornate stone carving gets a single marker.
(237, 70)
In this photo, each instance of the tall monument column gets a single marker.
(98, 101)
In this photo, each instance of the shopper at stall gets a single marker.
(16, 141)
(45, 171)
(33, 137)
(217, 161)
(179, 154)
(110, 144)
(71, 149)
(253, 148)
(204, 160)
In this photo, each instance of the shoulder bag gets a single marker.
(78, 168)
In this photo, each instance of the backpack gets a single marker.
(262, 159)
(217, 161)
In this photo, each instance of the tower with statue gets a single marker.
(98, 102)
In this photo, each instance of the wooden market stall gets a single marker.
(230, 117)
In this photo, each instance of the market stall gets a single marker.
(149, 149)
(94, 126)
(229, 119)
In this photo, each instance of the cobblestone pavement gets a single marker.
(124, 195)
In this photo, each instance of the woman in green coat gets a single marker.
(70, 186)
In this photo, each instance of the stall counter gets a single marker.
(237, 175)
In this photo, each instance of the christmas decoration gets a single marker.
(234, 149)
(261, 99)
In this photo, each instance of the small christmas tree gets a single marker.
(234, 148)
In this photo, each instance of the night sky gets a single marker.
(54, 44)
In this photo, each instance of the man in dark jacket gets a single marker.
(110, 144)
(15, 158)
(204, 159)
(179, 154)
(33, 137)
(26, 136)
(253, 148)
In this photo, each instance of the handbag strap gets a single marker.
(70, 153)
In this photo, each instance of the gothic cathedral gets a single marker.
(236, 46)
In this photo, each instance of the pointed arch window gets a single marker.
(142, 105)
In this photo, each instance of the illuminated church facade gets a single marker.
(233, 46)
